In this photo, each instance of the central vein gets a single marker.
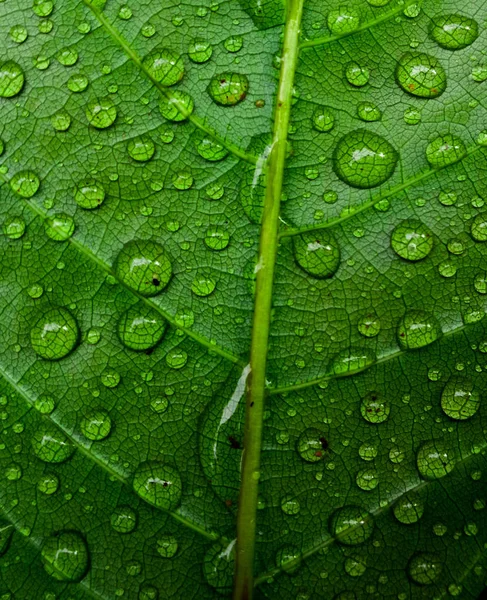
(254, 412)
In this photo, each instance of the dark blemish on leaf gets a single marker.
(234, 443)
(155, 281)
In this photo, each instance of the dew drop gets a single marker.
(18, 34)
(61, 121)
(48, 484)
(42, 8)
(123, 519)
(424, 568)
(367, 479)
(141, 327)
(167, 546)
(67, 57)
(363, 159)
(216, 238)
(25, 184)
(412, 240)
(89, 194)
(14, 228)
(45, 405)
(478, 228)
(459, 399)
(417, 329)
(97, 425)
(323, 119)
(65, 556)
(234, 43)
(11, 79)
(178, 107)
(357, 75)
(288, 558)
(141, 149)
(367, 111)
(445, 150)
(290, 505)
(176, 359)
(182, 180)
(480, 283)
(435, 459)
(110, 379)
(148, 592)
(219, 565)
(454, 32)
(55, 334)
(369, 325)
(51, 445)
(203, 285)
(312, 445)
(59, 227)
(412, 116)
(374, 409)
(421, 75)
(200, 51)
(317, 253)
(351, 361)
(367, 451)
(165, 66)
(78, 83)
(158, 484)
(351, 525)
(409, 508)
(144, 266)
(228, 89)
(101, 113)
(343, 21)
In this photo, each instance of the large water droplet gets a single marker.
(141, 149)
(177, 108)
(454, 32)
(343, 20)
(317, 253)
(158, 484)
(211, 150)
(323, 119)
(218, 567)
(141, 327)
(165, 66)
(478, 229)
(51, 445)
(14, 228)
(364, 159)
(435, 459)
(176, 358)
(123, 519)
(367, 479)
(65, 556)
(369, 325)
(424, 568)
(228, 89)
(459, 399)
(217, 238)
(48, 484)
(89, 194)
(203, 286)
(101, 113)
(417, 329)
(374, 409)
(25, 183)
(97, 425)
(11, 79)
(351, 525)
(445, 150)
(312, 445)
(421, 75)
(167, 546)
(55, 334)
(412, 240)
(409, 508)
(59, 227)
(357, 75)
(144, 266)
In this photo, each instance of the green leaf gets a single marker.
(243, 285)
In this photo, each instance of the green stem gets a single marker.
(246, 520)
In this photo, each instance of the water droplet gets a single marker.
(367, 479)
(89, 194)
(454, 32)
(351, 525)
(11, 79)
(65, 556)
(48, 484)
(317, 253)
(417, 329)
(176, 359)
(200, 51)
(364, 159)
(343, 20)
(357, 75)
(203, 285)
(165, 66)
(159, 405)
(234, 43)
(144, 266)
(447, 269)
(141, 327)
(45, 405)
(421, 75)
(219, 565)
(312, 445)
(367, 451)
(478, 228)
(61, 121)
(110, 379)
(97, 425)
(409, 508)
(59, 227)
(445, 150)
(14, 228)
(123, 519)
(125, 13)
(101, 113)
(78, 83)
(480, 282)
(323, 119)
(55, 334)
(42, 8)
(367, 111)
(167, 546)
(211, 150)
(25, 184)
(412, 240)
(67, 57)
(412, 116)
(350, 361)
(435, 459)
(288, 558)
(217, 238)
(374, 409)
(141, 149)
(184, 318)
(369, 325)
(148, 592)
(158, 484)
(178, 107)
(424, 568)
(13, 472)
(51, 445)
(228, 89)
(182, 180)
(18, 33)
(459, 399)
(290, 505)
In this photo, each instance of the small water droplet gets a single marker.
(417, 329)
(234, 43)
(351, 525)
(217, 238)
(203, 285)
(25, 184)
(141, 149)
(14, 228)
(412, 240)
(312, 445)
(219, 565)
(101, 113)
(288, 558)
(445, 150)
(55, 334)
(61, 121)
(343, 20)
(317, 253)
(48, 484)
(165, 66)
(141, 327)
(424, 568)
(200, 51)
(97, 425)
(369, 325)
(374, 409)
(357, 75)
(178, 107)
(290, 505)
(158, 484)
(228, 89)
(51, 445)
(459, 399)
(18, 34)
(167, 546)
(367, 111)
(45, 404)
(409, 508)
(323, 119)
(59, 227)
(478, 228)
(144, 266)
(211, 150)
(435, 459)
